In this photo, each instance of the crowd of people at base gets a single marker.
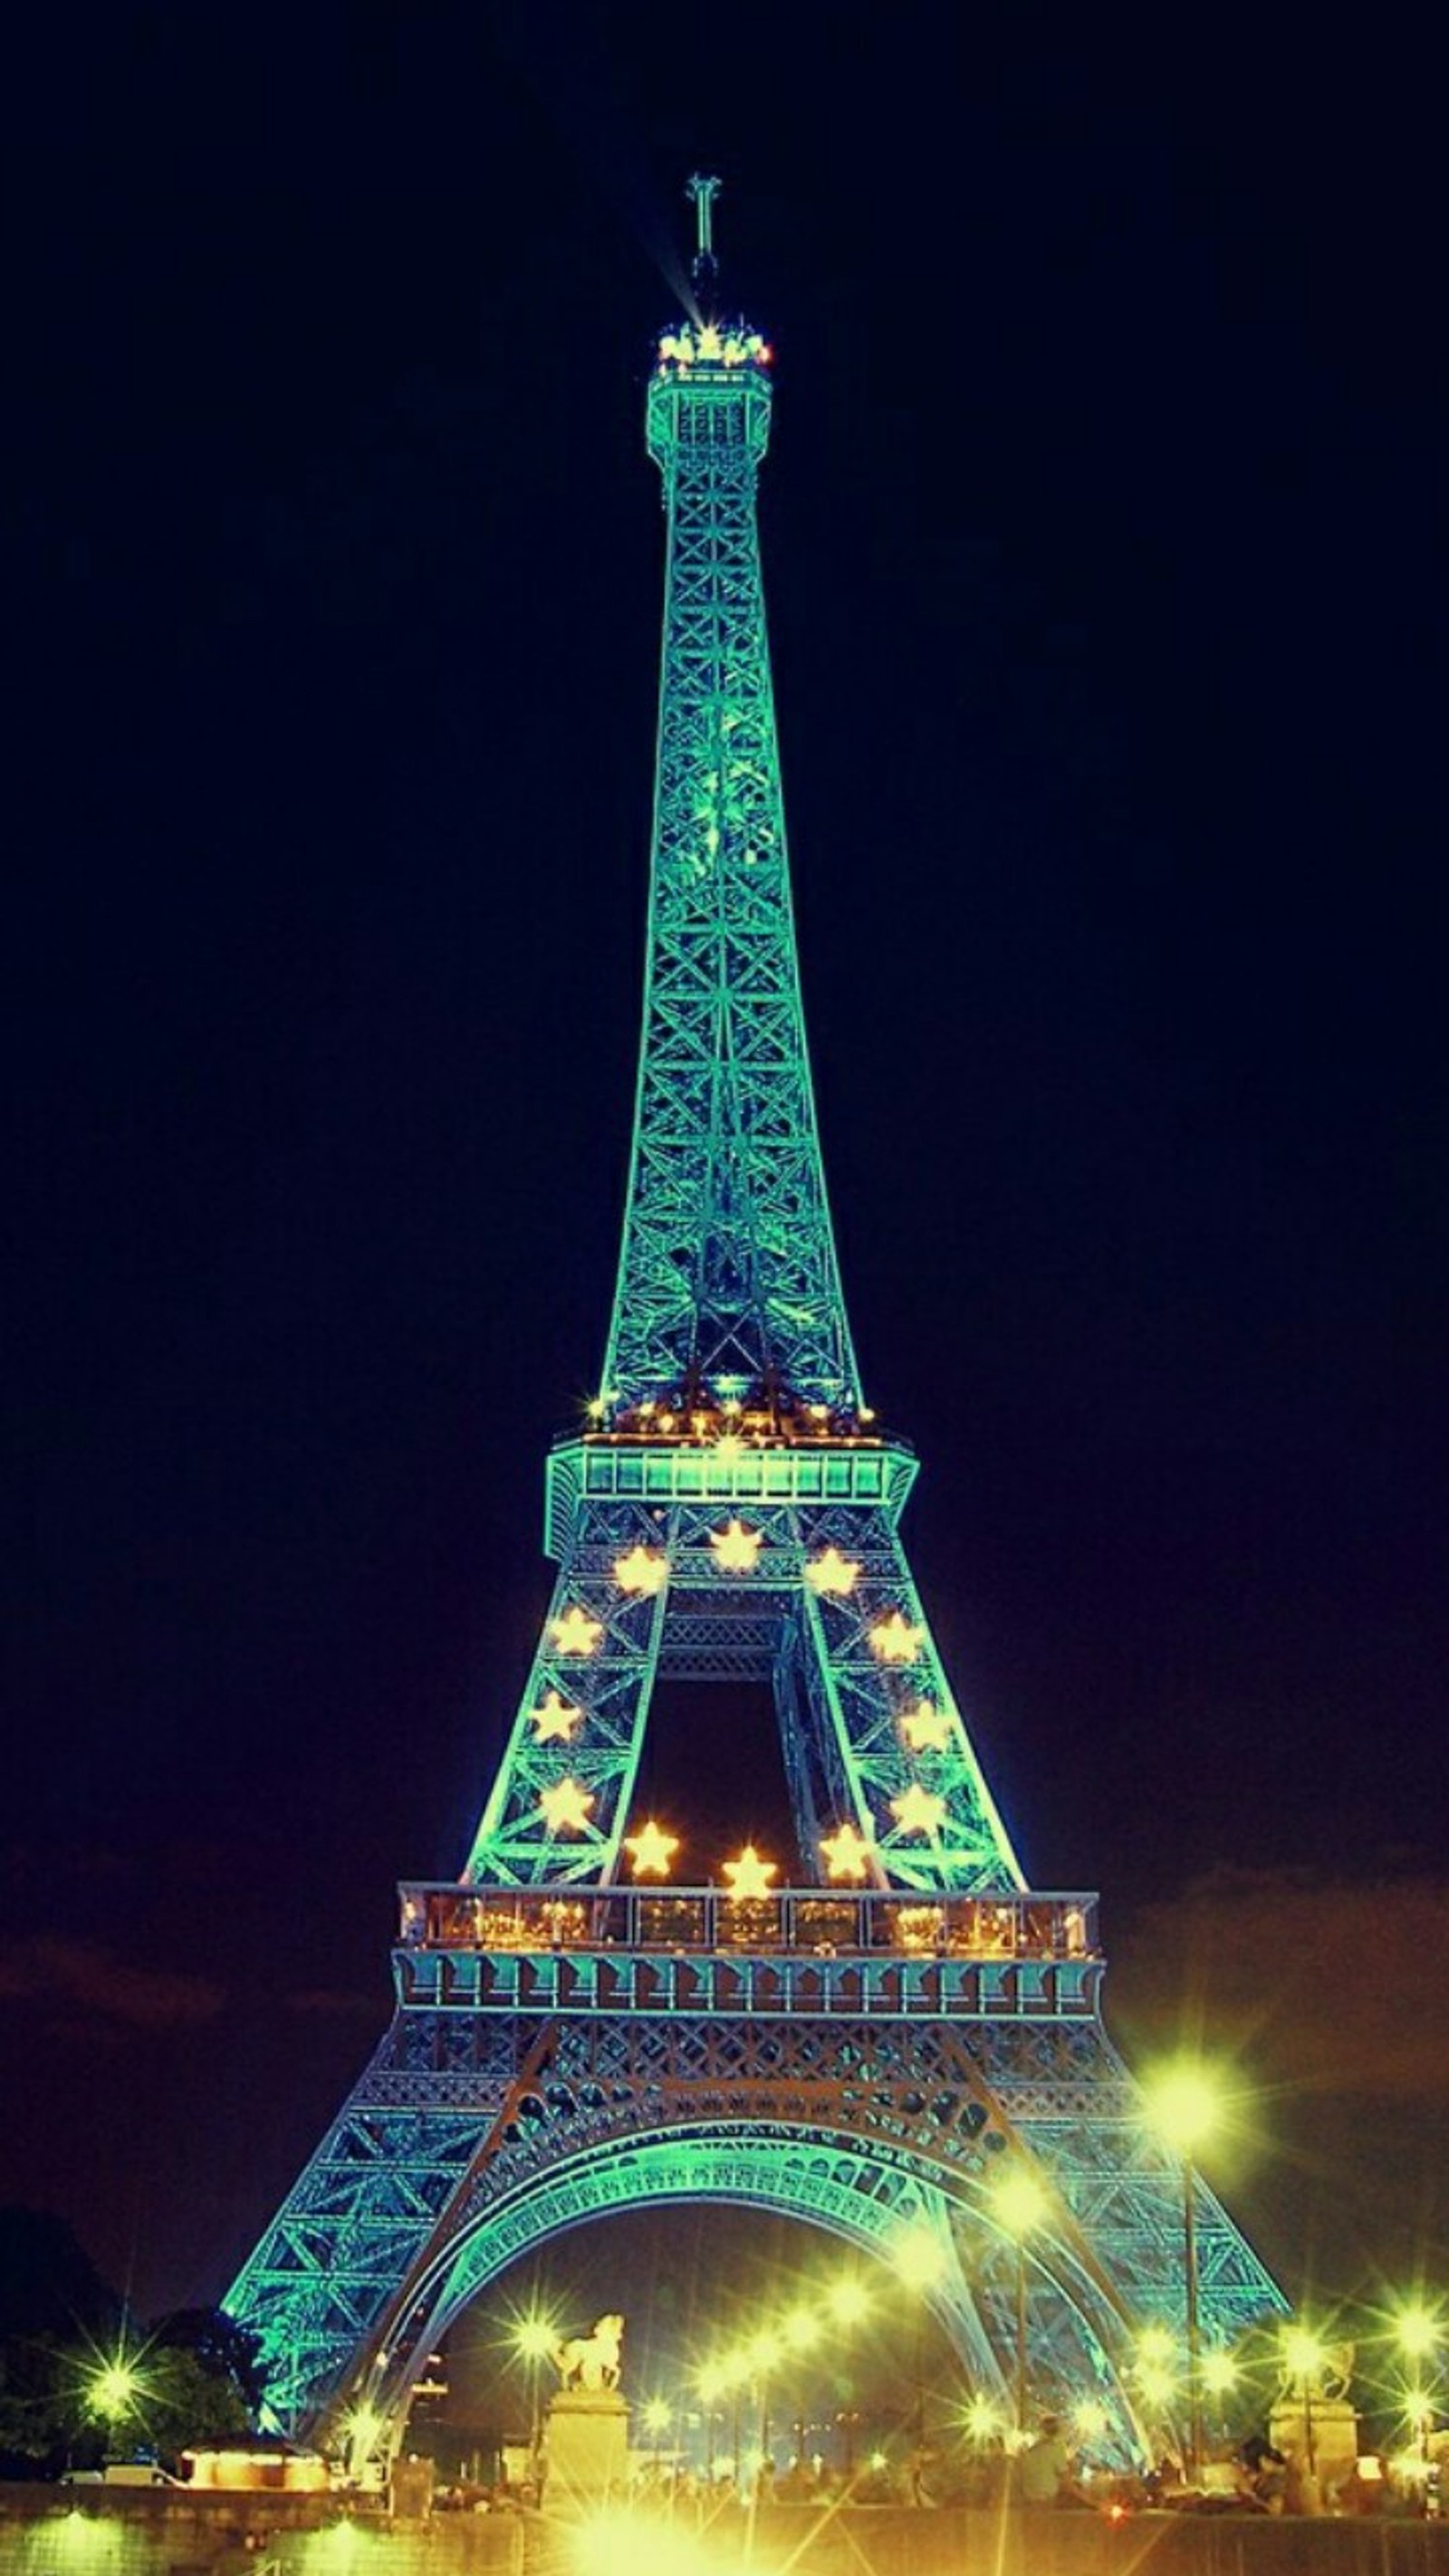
(1050, 2472)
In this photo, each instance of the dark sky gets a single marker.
(1104, 548)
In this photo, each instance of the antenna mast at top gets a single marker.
(704, 269)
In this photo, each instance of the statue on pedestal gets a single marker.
(592, 2361)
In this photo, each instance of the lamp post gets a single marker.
(1184, 2105)
(1019, 2203)
(1304, 2357)
(1417, 2334)
(712, 2382)
(534, 2340)
(799, 2333)
(113, 2392)
(764, 2356)
(919, 2258)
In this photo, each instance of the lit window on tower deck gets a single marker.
(826, 1924)
(711, 350)
(695, 1417)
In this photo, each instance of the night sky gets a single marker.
(1100, 522)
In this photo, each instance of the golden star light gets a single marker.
(832, 1572)
(554, 1723)
(642, 1570)
(749, 1875)
(736, 1548)
(895, 1640)
(565, 1808)
(927, 1729)
(847, 1853)
(917, 1812)
(576, 1633)
(651, 1850)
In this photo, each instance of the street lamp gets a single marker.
(848, 2301)
(712, 2382)
(535, 2340)
(1019, 2204)
(113, 2390)
(920, 2260)
(1184, 2105)
(801, 2330)
(764, 2355)
(1417, 2334)
(1303, 2358)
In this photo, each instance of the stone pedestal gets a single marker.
(586, 2448)
(1335, 2439)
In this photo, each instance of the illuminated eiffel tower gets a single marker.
(904, 2040)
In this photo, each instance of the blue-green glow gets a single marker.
(564, 2045)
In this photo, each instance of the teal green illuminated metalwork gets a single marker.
(870, 2054)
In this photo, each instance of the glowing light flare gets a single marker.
(619, 2543)
(848, 2302)
(1091, 2419)
(553, 1721)
(1155, 2347)
(1218, 2372)
(736, 1548)
(1184, 2105)
(644, 1570)
(847, 1853)
(927, 1729)
(896, 1640)
(982, 2420)
(565, 1807)
(750, 1875)
(1019, 2202)
(575, 1633)
(535, 2339)
(651, 1850)
(364, 2429)
(832, 1573)
(1416, 2332)
(918, 2256)
(918, 1810)
(1304, 2354)
(114, 2389)
(657, 2415)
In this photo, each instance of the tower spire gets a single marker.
(704, 268)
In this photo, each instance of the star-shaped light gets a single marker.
(832, 1572)
(566, 1807)
(736, 1548)
(554, 1723)
(651, 1850)
(576, 1633)
(916, 1811)
(729, 1443)
(642, 1570)
(847, 1853)
(749, 1875)
(895, 1640)
(926, 1729)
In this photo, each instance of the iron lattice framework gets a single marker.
(860, 2055)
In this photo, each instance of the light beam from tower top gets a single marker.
(702, 193)
(706, 347)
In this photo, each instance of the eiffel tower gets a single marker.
(901, 2031)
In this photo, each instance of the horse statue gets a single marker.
(591, 2361)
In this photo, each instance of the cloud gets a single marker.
(85, 1974)
(1338, 1987)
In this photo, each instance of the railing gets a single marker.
(819, 1922)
